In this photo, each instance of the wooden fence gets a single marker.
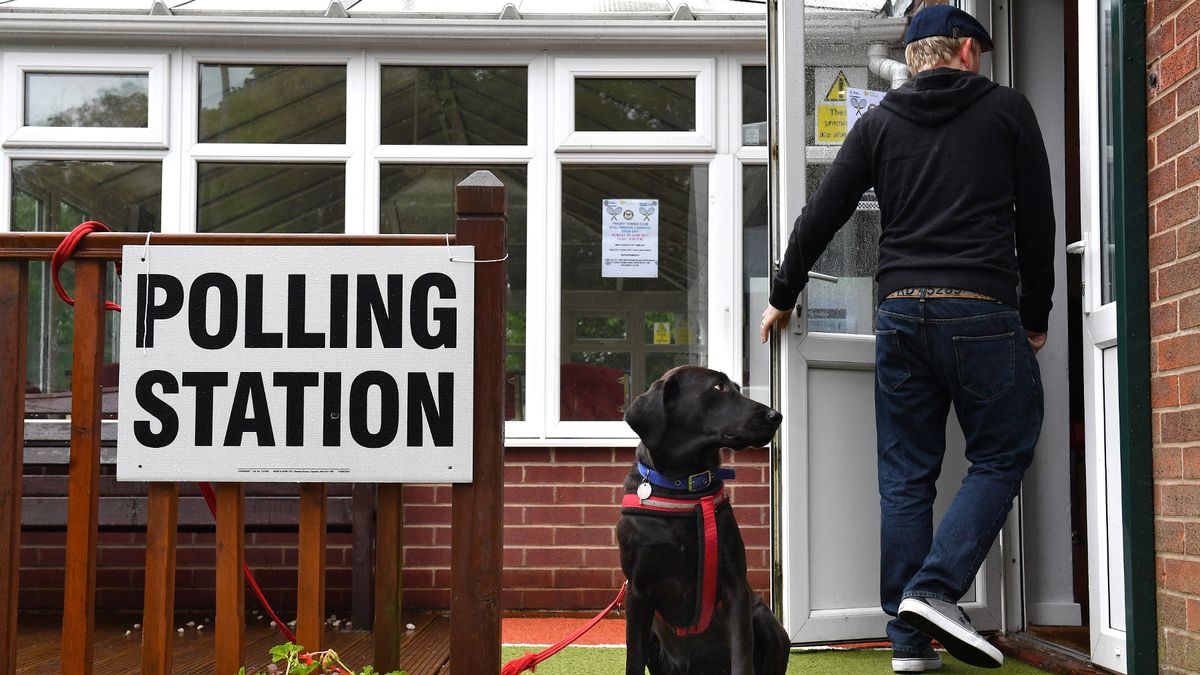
(476, 547)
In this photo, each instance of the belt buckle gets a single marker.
(706, 476)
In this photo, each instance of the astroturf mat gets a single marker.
(604, 660)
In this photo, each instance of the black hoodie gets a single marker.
(963, 183)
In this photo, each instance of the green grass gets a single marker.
(604, 660)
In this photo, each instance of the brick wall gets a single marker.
(560, 552)
(1173, 157)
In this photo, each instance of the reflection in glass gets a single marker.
(87, 100)
(55, 196)
(853, 257)
(419, 199)
(1107, 245)
(754, 105)
(271, 197)
(241, 103)
(601, 373)
(756, 283)
(438, 105)
(635, 104)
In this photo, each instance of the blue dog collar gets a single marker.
(692, 483)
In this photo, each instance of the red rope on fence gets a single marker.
(530, 662)
(62, 253)
(66, 249)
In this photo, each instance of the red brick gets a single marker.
(1168, 463)
(587, 494)
(1177, 64)
(1187, 170)
(1189, 239)
(602, 557)
(1181, 427)
(584, 536)
(756, 536)
(1164, 391)
(1179, 277)
(1177, 138)
(1193, 615)
(1189, 312)
(1160, 40)
(1181, 652)
(527, 455)
(1161, 180)
(526, 577)
(553, 515)
(1187, 96)
(419, 556)
(1172, 609)
(585, 455)
(553, 474)
(555, 557)
(420, 494)
(528, 536)
(1187, 22)
(1181, 500)
(605, 475)
(1191, 464)
(523, 494)
(426, 515)
(583, 578)
(419, 536)
(1189, 388)
(1163, 248)
(1164, 319)
(1168, 536)
(1161, 9)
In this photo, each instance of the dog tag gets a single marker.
(643, 491)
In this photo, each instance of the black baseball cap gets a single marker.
(946, 21)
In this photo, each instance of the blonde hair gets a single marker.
(931, 52)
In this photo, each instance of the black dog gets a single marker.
(689, 608)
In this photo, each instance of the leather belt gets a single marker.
(938, 292)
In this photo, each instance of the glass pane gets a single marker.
(87, 100)
(756, 283)
(55, 196)
(434, 105)
(662, 299)
(600, 328)
(849, 305)
(272, 104)
(418, 199)
(635, 104)
(1107, 245)
(280, 198)
(754, 105)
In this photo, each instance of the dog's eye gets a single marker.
(718, 387)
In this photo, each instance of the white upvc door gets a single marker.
(830, 547)
(1106, 567)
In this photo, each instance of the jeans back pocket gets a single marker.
(985, 363)
(891, 368)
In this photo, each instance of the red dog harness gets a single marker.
(705, 509)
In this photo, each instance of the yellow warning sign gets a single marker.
(662, 333)
(837, 90)
(831, 123)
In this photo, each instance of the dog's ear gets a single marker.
(647, 415)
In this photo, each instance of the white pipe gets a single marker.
(878, 62)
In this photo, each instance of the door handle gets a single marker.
(1078, 247)
(822, 277)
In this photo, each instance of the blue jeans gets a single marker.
(930, 353)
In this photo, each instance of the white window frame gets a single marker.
(744, 156)
(16, 134)
(703, 70)
(349, 153)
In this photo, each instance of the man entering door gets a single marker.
(959, 168)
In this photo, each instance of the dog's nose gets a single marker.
(775, 416)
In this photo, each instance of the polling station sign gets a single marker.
(296, 363)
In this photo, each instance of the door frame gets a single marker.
(1132, 289)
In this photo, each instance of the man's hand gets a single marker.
(1036, 340)
(770, 317)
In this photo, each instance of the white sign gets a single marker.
(296, 363)
(858, 102)
(630, 240)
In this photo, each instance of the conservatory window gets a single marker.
(256, 103)
(454, 105)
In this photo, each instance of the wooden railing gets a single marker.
(476, 546)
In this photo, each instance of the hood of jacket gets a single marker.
(936, 96)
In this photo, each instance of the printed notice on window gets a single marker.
(630, 239)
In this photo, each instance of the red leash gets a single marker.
(530, 662)
(62, 254)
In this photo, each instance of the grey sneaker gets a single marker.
(906, 662)
(947, 623)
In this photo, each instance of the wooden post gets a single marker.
(83, 496)
(310, 594)
(389, 562)
(231, 588)
(363, 551)
(476, 550)
(14, 309)
(158, 612)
